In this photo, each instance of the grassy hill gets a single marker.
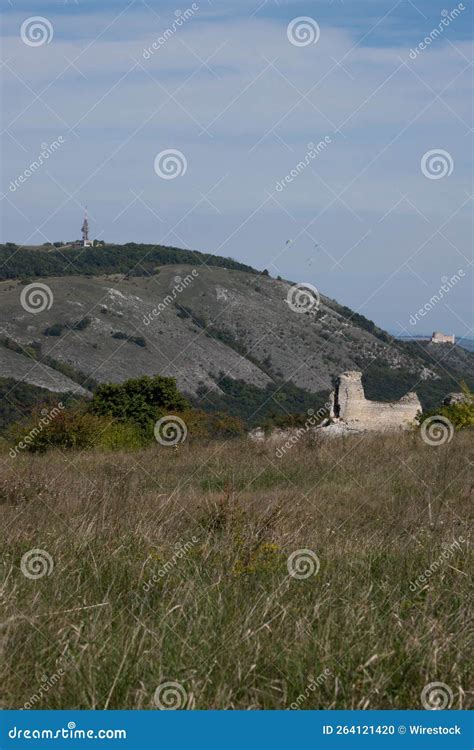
(224, 331)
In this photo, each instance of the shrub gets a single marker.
(80, 325)
(55, 330)
(71, 428)
(460, 414)
(139, 400)
(266, 557)
(138, 340)
(202, 425)
(121, 436)
(33, 350)
(74, 429)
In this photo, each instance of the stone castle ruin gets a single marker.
(350, 408)
(348, 412)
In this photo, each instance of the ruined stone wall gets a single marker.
(350, 406)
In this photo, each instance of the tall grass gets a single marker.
(171, 565)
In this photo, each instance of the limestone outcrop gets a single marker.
(455, 398)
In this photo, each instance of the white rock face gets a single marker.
(257, 435)
(338, 429)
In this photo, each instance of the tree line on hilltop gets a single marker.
(18, 262)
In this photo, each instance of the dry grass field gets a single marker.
(167, 565)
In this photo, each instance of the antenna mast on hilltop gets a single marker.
(86, 242)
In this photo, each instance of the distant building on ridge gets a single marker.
(86, 242)
(442, 338)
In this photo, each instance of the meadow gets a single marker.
(218, 576)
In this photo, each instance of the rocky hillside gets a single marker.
(205, 325)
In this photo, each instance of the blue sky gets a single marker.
(240, 101)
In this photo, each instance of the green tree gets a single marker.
(139, 400)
